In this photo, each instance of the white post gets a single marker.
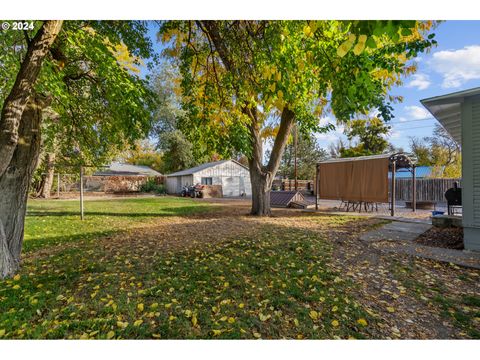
(58, 185)
(81, 192)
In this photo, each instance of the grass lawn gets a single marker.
(178, 268)
(55, 222)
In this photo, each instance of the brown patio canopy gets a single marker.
(363, 178)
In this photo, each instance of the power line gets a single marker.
(417, 127)
(407, 121)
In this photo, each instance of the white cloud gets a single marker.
(420, 81)
(395, 134)
(328, 137)
(416, 113)
(333, 135)
(457, 66)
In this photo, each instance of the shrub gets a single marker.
(152, 186)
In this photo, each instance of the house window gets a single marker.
(206, 181)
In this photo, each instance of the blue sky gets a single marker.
(453, 65)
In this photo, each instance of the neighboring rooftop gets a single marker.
(286, 198)
(421, 172)
(120, 169)
(201, 167)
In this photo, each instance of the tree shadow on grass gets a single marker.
(171, 211)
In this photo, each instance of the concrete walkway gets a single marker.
(399, 236)
(397, 230)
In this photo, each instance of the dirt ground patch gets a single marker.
(450, 238)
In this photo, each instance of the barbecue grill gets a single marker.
(454, 198)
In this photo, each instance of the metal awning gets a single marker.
(447, 110)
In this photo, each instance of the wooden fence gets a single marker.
(304, 186)
(427, 189)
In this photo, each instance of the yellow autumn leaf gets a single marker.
(194, 320)
(335, 323)
(335, 308)
(217, 332)
(266, 73)
(154, 306)
(241, 305)
(171, 318)
(358, 49)
(140, 307)
(16, 287)
(231, 320)
(188, 313)
(390, 309)
(362, 322)
(110, 334)
(345, 47)
(257, 335)
(296, 322)
(264, 317)
(138, 322)
(280, 94)
(17, 277)
(313, 315)
(2, 332)
(122, 325)
(307, 30)
(362, 38)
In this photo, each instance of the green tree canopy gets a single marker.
(74, 84)
(370, 135)
(239, 76)
(439, 151)
(308, 153)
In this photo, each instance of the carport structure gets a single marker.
(363, 179)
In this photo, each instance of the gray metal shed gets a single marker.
(459, 113)
(233, 176)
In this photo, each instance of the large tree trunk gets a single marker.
(261, 185)
(47, 182)
(14, 184)
(22, 89)
(19, 146)
(262, 176)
